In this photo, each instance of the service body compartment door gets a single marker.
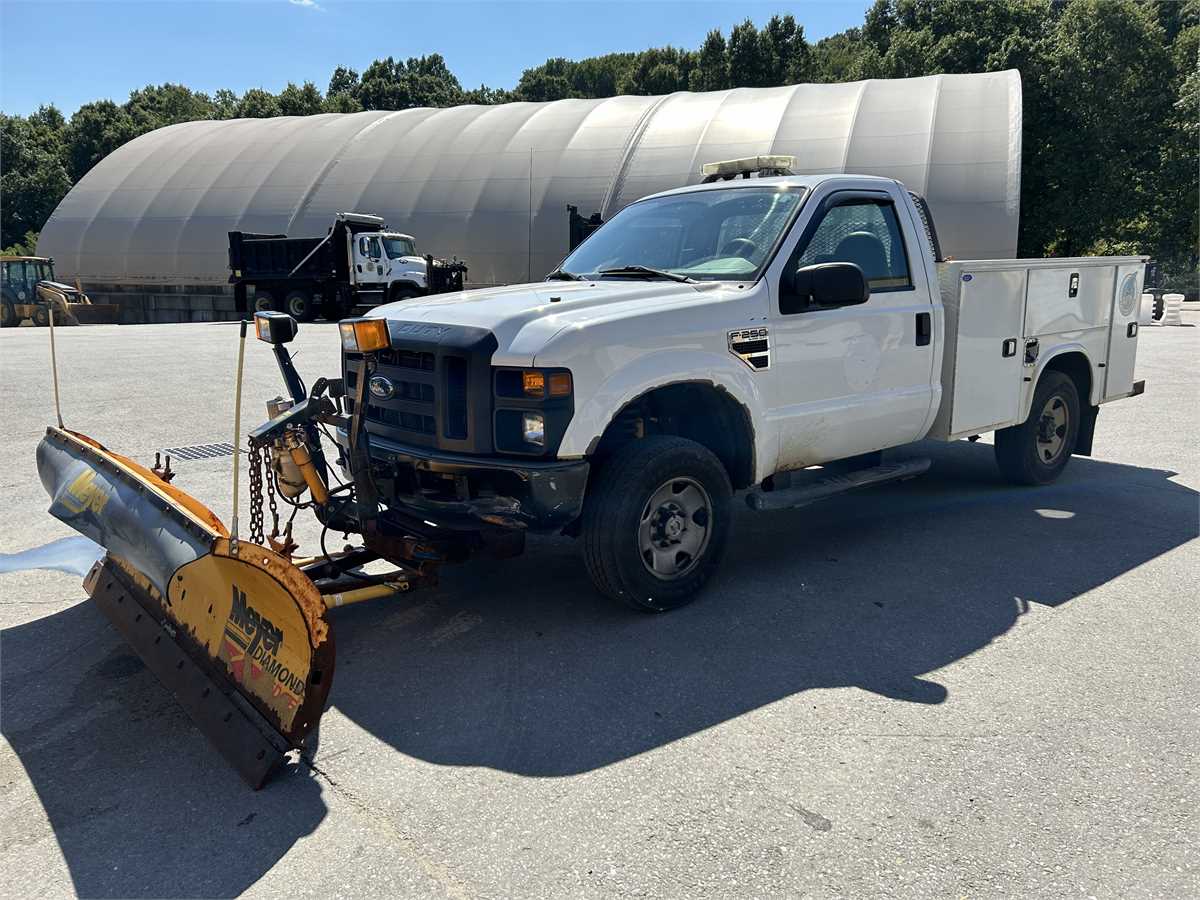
(1123, 335)
(987, 366)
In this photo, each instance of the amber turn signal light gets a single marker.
(364, 335)
(560, 384)
(534, 383)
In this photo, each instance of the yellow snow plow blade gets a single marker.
(233, 629)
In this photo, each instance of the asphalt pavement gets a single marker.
(947, 687)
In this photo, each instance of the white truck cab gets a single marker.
(388, 261)
(772, 335)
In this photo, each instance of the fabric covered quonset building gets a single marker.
(490, 184)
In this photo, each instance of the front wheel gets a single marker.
(41, 316)
(264, 301)
(8, 315)
(1037, 450)
(655, 522)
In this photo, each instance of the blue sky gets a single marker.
(69, 53)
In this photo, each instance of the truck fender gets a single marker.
(661, 369)
(1034, 375)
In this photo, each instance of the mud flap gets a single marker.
(237, 633)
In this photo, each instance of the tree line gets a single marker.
(1111, 107)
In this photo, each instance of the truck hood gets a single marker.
(524, 317)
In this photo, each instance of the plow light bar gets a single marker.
(364, 335)
(274, 327)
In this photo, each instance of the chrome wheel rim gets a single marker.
(262, 304)
(1053, 425)
(674, 528)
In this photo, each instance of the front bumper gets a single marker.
(458, 491)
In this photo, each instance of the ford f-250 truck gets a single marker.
(769, 335)
(725, 337)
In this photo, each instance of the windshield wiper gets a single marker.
(560, 275)
(646, 270)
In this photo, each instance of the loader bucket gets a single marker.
(235, 631)
(95, 313)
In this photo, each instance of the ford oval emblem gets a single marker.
(381, 387)
(968, 277)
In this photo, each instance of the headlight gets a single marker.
(364, 335)
(533, 429)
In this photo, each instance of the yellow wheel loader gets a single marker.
(28, 290)
(236, 625)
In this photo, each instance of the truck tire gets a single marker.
(264, 301)
(41, 316)
(655, 522)
(403, 292)
(1037, 450)
(300, 305)
(8, 315)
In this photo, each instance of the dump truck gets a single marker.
(772, 337)
(29, 291)
(357, 263)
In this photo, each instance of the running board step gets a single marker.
(832, 485)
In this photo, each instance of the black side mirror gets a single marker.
(825, 284)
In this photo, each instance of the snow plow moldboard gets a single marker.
(236, 631)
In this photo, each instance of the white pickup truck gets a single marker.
(770, 335)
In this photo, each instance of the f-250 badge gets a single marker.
(752, 346)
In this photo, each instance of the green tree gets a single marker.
(343, 81)
(659, 70)
(1092, 162)
(396, 84)
(225, 104)
(96, 130)
(747, 61)
(786, 53)
(712, 64)
(155, 106)
(258, 104)
(300, 101)
(26, 246)
(549, 81)
(34, 177)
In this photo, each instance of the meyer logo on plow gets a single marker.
(253, 641)
(83, 493)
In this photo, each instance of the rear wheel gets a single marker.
(1037, 450)
(655, 522)
(300, 306)
(264, 301)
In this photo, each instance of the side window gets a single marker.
(363, 250)
(866, 234)
(376, 252)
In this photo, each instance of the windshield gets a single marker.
(27, 272)
(712, 235)
(398, 247)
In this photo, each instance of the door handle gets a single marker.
(1009, 348)
(924, 329)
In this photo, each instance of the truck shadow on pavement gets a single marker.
(520, 666)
